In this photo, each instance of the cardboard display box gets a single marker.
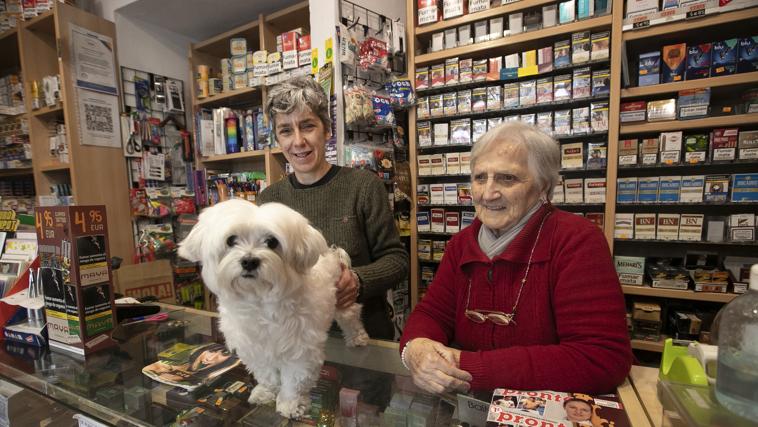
(146, 279)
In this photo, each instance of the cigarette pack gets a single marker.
(674, 61)
(558, 194)
(724, 57)
(453, 8)
(544, 90)
(664, 109)
(437, 75)
(691, 227)
(422, 225)
(694, 103)
(465, 162)
(601, 82)
(467, 218)
(637, 7)
(599, 116)
(438, 220)
(580, 120)
(464, 101)
(452, 222)
(585, 8)
(464, 194)
(480, 31)
(668, 226)
(691, 190)
(527, 92)
(644, 226)
(511, 64)
(696, 148)
(510, 95)
(744, 187)
(495, 64)
(479, 68)
(422, 108)
(597, 155)
(496, 28)
(594, 190)
(572, 155)
(562, 54)
(562, 122)
(441, 135)
(748, 55)
(424, 134)
(670, 187)
(422, 194)
(532, 20)
(465, 69)
(742, 227)
(494, 98)
(582, 83)
(566, 11)
(649, 68)
(631, 270)
(623, 227)
(562, 87)
(647, 189)
(649, 151)
(479, 99)
(633, 111)
(438, 250)
(515, 23)
(574, 190)
(478, 129)
(545, 60)
(428, 11)
(626, 190)
(628, 152)
(424, 165)
(545, 122)
(549, 15)
(437, 192)
(716, 188)
(460, 132)
(437, 162)
(425, 245)
(422, 78)
(580, 47)
(436, 108)
(450, 103)
(493, 122)
(597, 218)
(451, 193)
(715, 229)
(698, 61)
(451, 71)
(670, 144)
(452, 165)
(600, 45)
(747, 144)
(724, 144)
(478, 5)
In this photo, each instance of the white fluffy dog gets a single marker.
(274, 277)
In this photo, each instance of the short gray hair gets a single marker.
(294, 95)
(543, 152)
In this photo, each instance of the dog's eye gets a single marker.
(272, 243)
(231, 241)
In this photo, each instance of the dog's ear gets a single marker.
(308, 248)
(191, 247)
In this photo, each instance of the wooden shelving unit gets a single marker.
(655, 346)
(690, 24)
(648, 291)
(732, 80)
(226, 98)
(478, 16)
(673, 125)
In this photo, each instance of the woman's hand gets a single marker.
(434, 367)
(347, 288)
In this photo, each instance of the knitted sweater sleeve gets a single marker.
(389, 261)
(593, 354)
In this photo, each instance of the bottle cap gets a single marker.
(754, 277)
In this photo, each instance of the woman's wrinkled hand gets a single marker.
(435, 367)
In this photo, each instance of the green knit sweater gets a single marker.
(352, 211)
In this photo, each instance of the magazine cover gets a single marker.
(190, 366)
(513, 408)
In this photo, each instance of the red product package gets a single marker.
(428, 11)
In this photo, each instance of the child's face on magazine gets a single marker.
(213, 357)
(578, 411)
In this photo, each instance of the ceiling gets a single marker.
(200, 19)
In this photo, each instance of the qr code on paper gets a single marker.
(98, 118)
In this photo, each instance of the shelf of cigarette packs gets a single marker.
(649, 22)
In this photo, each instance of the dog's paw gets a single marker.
(294, 408)
(261, 395)
(359, 340)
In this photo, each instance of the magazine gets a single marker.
(513, 408)
(190, 366)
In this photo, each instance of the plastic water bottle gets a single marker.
(737, 375)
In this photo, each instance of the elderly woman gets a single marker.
(528, 293)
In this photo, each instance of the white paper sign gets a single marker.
(93, 60)
(98, 118)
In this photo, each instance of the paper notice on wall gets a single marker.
(98, 119)
(92, 55)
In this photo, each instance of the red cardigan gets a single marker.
(571, 328)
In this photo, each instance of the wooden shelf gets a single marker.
(673, 125)
(478, 16)
(687, 242)
(43, 23)
(545, 106)
(656, 346)
(45, 112)
(235, 156)
(732, 80)
(55, 167)
(218, 46)
(229, 97)
(277, 150)
(690, 24)
(436, 233)
(678, 294)
(15, 172)
(442, 205)
(675, 204)
(514, 42)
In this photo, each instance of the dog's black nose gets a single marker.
(250, 264)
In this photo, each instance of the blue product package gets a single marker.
(669, 189)
(583, 9)
(724, 57)
(748, 55)
(745, 187)
(699, 61)
(650, 68)
(648, 189)
(626, 190)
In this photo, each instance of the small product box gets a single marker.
(671, 147)
(480, 31)
(649, 151)
(691, 227)
(465, 70)
(574, 190)
(633, 111)
(674, 62)
(453, 8)
(562, 122)
(601, 83)
(599, 116)
(572, 155)
(479, 99)
(724, 144)
(623, 226)
(581, 83)
(460, 132)
(237, 46)
(464, 35)
(450, 193)
(450, 103)
(744, 187)
(699, 61)
(644, 226)
(424, 130)
(423, 224)
(694, 103)
(452, 222)
(464, 101)
(479, 70)
(441, 134)
(669, 189)
(451, 71)
(628, 149)
(742, 227)
(562, 54)
(545, 59)
(437, 194)
(631, 270)
(626, 190)
(580, 120)
(464, 194)
(425, 245)
(716, 188)
(527, 92)
(437, 75)
(549, 15)
(467, 218)
(453, 163)
(465, 162)
(724, 57)
(437, 162)
(594, 190)
(580, 47)
(648, 189)
(585, 8)
(451, 38)
(600, 45)
(422, 108)
(646, 319)
(748, 55)
(661, 110)
(668, 226)
(691, 190)
(438, 220)
(649, 68)
(436, 106)
(428, 11)
(424, 165)
(558, 193)
(515, 23)
(422, 195)
(562, 87)
(545, 90)
(747, 145)
(566, 11)
(696, 148)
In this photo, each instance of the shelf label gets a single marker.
(695, 11)
(641, 24)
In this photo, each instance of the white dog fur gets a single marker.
(275, 280)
